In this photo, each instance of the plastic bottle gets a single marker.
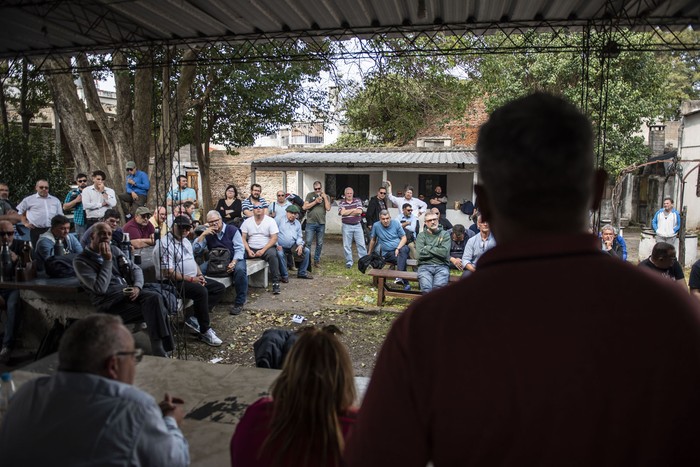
(7, 390)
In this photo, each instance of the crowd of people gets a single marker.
(566, 367)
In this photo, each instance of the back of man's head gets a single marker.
(88, 344)
(535, 157)
(663, 250)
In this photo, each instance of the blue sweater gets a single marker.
(143, 184)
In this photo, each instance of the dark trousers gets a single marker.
(148, 307)
(35, 233)
(272, 259)
(130, 204)
(205, 298)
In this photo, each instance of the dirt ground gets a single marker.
(336, 295)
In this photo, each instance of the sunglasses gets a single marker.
(382, 192)
(281, 196)
(137, 354)
(43, 188)
(258, 207)
(82, 181)
(129, 170)
(317, 189)
(185, 227)
(7, 233)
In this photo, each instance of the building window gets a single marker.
(336, 184)
(428, 182)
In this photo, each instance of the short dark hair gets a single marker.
(458, 229)
(187, 204)
(406, 205)
(80, 175)
(662, 250)
(538, 148)
(231, 187)
(59, 219)
(99, 173)
(669, 198)
(111, 213)
(181, 176)
(255, 185)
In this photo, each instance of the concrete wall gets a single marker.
(689, 150)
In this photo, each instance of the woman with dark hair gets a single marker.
(310, 414)
(229, 206)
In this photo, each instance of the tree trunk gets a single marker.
(24, 113)
(73, 119)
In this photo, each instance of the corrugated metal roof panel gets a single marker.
(466, 159)
(70, 25)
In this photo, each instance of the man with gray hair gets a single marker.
(89, 412)
(550, 364)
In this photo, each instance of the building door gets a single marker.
(428, 182)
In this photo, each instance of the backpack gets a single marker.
(467, 208)
(219, 259)
(373, 260)
(60, 266)
(296, 199)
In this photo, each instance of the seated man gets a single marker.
(459, 237)
(613, 244)
(477, 246)
(410, 225)
(174, 260)
(101, 269)
(13, 305)
(158, 221)
(290, 240)
(112, 219)
(433, 248)
(220, 235)
(58, 232)
(392, 242)
(136, 192)
(89, 412)
(259, 235)
(140, 230)
(442, 220)
(663, 261)
(694, 280)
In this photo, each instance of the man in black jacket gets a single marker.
(376, 205)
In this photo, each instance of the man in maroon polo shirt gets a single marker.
(141, 231)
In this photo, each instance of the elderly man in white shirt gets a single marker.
(38, 210)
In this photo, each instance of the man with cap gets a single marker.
(137, 186)
(290, 240)
(141, 231)
(174, 260)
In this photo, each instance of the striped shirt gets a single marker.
(354, 204)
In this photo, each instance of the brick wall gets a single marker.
(463, 131)
(235, 169)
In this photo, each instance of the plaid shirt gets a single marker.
(78, 213)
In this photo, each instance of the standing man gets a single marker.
(74, 202)
(290, 241)
(376, 205)
(13, 305)
(174, 260)
(181, 193)
(569, 369)
(254, 200)
(419, 207)
(350, 209)
(433, 248)
(97, 198)
(316, 205)
(91, 401)
(477, 246)
(392, 242)
(60, 231)
(666, 223)
(105, 273)
(278, 208)
(220, 235)
(439, 200)
(38, 210)
(137, 186)
(259, 235)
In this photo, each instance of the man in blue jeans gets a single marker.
(291, 241)
(392, 241)
(350, 209)
(433, 249)
(316, 205)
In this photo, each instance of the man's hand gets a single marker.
(173, 407)
(200, 278)
(608, 244)
(457, 263)
(105, 251)
(135, 294)
(78, 198)
(134, 196)
(131, 181)
(250, 252)
(28, 225)
(231, 266)
(300, 250)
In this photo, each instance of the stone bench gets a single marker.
(257, 271)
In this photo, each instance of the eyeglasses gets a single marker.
(258, 207)
(185, 227)
(129, 170)
(137, 354)
(281, 196)
(431, 220)
(82, 181)
(317, 189)
(382, 192)
(7, 234)
(409, 210)
(43, 187)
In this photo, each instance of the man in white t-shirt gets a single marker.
(259, 234)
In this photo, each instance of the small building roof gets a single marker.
(462, 159)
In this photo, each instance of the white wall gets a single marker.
(690, 150)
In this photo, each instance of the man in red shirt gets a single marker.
(140, 230)
(537, 358)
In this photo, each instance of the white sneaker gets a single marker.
(398, 280)
(210, 338)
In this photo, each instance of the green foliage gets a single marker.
(24, 161)
(353, 140)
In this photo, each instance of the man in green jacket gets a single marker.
(433, 249)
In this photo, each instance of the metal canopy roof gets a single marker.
(62, 26)
(369, 159)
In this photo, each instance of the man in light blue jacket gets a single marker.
(666, 223)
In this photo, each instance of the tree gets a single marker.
(24, 92)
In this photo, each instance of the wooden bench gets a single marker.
(380, 277)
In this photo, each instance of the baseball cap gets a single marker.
(143, 211)
(182, 220)
(131, 165)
